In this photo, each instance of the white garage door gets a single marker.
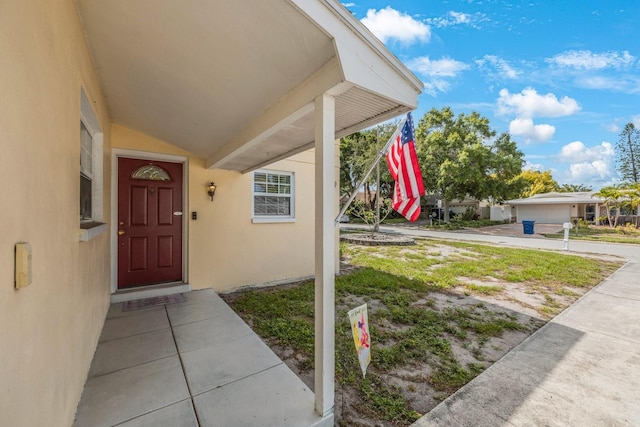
(545, 214)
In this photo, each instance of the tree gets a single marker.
(358, 209)
(459, 156)
(505, 168)
(620, 196)
(537, 183)
(357, 153)
(628, 153)
(574, 188)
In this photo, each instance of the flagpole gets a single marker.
(366, 175)
(377, 226)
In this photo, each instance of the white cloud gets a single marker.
(525, 127)
(587, 60)
(445, 67)
(636, 120)
(389, 24)
(348, 4)
(457, 18)
(583, 172)
(436, 85)
(437, 72)
(452, 18)
(502, 67)
(529, 104)
(592, 165)
(533, 166)
(619, 83)
(613, 127)
(577, 152)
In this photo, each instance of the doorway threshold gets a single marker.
(149, 291)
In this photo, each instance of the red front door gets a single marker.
(149, 222)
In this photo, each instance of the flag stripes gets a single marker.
(403, 166)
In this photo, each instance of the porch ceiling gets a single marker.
(234, 81)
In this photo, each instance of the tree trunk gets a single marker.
(609, 217)
(634, 171)
(367, 195)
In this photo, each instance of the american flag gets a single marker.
(404, 168)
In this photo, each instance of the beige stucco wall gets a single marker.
(49, 329)
(225, 249)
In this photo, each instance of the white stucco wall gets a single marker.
(500, 213)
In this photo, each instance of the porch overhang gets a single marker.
(236, 82)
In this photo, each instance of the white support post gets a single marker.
(325, 208)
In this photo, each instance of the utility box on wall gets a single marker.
(23, 265)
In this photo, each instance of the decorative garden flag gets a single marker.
(362, 340)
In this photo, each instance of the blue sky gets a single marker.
(561, 76)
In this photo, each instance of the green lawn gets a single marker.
(602, 234)
(426, 341)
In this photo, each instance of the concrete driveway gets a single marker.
(516, 230)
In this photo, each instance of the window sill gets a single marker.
(89, 230)
(271, 220)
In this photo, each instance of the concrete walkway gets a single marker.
(188, 364)
(581, 369)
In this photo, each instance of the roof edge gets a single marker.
(358, 28)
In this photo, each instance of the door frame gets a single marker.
(147, 155)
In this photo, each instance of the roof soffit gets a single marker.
(239, 81)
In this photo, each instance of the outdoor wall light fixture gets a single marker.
(211, 190)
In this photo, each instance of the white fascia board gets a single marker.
(365, 61)
(552, 201)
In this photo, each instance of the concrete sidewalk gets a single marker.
(581, 369)
(194, 363)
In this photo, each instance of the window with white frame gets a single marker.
(273, 199)
(91, 146)
(86, 173)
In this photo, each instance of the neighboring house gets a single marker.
(361, 196)
(114, 118)
(558, 208)
(456, 207)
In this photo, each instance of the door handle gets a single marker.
(120, 232)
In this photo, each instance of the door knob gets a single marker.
(120, 232)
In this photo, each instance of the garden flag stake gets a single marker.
(404, 168)
(360, 330)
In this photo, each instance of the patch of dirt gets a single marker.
(514, 296)
(414, 382)
(378, 239)
(525, 303)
